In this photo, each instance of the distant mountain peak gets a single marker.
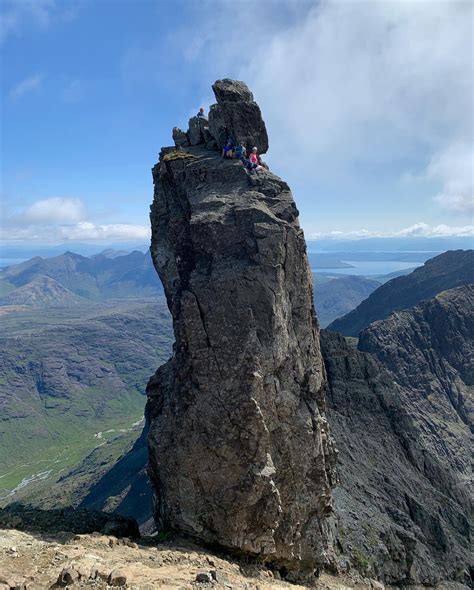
(42, 291)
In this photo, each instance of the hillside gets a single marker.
(68, 375)
(446, 271)
(431, 349)
(338, 296)
(402, 416)
(98, 277)
(41, 291)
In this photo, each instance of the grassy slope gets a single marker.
(67, 374)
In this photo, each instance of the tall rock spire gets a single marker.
(239, 449)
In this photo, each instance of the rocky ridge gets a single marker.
(446, 271)
(401, 412)
(241, 402)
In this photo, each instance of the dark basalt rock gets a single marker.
(239, 450)
(401, 417)
(237, 114)
(197, 126)
(180, 138)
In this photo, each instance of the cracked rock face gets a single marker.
(237, 114)
(239, 449)
(401, 410)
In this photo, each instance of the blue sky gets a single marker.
(368, 107)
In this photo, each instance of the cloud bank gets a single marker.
(417, 230)
(54, 210)
(62, 219)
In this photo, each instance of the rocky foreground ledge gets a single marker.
(239, 449)
(102, 562)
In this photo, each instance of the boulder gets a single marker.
(196, 130)
(237, 114)
(217, 126)
(179, 137)
(68, 575)
(204, 578)
(118, 577)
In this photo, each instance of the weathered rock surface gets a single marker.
(431, 349)
(237, 114)
(401, 418)
(446, 271)
(239, 448)
(179, 137)
(196, 130)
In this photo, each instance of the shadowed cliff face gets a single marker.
(401, 417)
(239, 449)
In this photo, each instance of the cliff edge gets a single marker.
(239, 449)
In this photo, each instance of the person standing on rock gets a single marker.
(201, 113)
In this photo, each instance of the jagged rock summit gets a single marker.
(235, 115)
(239, 449)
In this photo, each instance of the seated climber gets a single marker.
(240, 151)
(254, 156)
(228, 150)
(201, 113)
(255, 160)
(248, 164)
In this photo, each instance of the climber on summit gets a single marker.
(201, 113)
(253, 163)
(254, 156)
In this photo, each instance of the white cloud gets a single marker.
(113, 231)
(422, 230)
(65, 219)
(429, 231)
(55, 210)
(30, 84)
(82, 231)
(454, 169)
(347, 83)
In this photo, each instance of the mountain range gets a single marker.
(73, 379)
(70, 279)
(400, 409)
(96, 277)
